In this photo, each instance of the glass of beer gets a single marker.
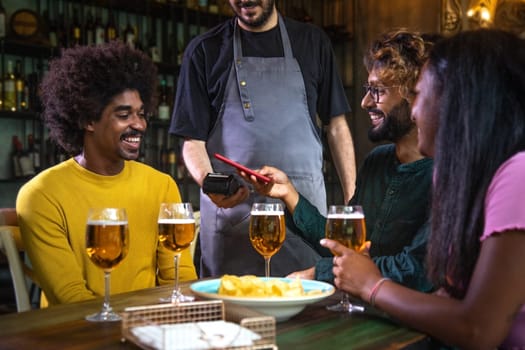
(176, 232)
(267, 230)
(107, 244)
(346, 224)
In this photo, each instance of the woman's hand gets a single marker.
(354, 272)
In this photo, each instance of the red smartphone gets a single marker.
(248, 171)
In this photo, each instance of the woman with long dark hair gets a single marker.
(470, 113)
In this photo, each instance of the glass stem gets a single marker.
(176, 291)
(345, 301)
(267, 266)
(107, 279)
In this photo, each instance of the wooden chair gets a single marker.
(11, 246)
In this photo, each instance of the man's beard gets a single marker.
(395, 125)
(255, 22)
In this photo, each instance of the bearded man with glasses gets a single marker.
(394, 182)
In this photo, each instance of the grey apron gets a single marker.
(264, 119)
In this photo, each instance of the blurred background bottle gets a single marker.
(75, 30)
(129, 34)
(15, 156)
(21, 89)
(9, 88)
(89, 29)
(111, 27)
(153, 48)
(33, 148)
(3, 21)
(100, 31)
(164, 107)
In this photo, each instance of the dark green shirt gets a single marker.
(396, 202)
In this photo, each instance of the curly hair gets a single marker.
(82, 82)
(397, 57)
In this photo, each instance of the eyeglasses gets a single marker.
(376, 91)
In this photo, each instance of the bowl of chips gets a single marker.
(281, 298)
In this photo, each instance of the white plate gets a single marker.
(282, 308)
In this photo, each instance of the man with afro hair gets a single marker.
(95, 101)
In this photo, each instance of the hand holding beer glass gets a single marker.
(267, 230)
(176, 232)
(346, 225)
(107, 244)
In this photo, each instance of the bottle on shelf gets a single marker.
(54, 153)
(163, 160)
(130, 37)
(51, 28)
(138, 39)
(15, 156)
(153, 48)
(75, 30)
(111, 27)
(32, 88)
(164, 107)
(22, 162)
(100, 31)
(213, 6)
(3, 21)
(172, 158)
(89, 29)
(33, 148)
(9, 88)
(181, 46)
(21, 88)
(61, 31)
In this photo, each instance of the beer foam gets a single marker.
(176, 221)
(106, 222)
(346, 216)
(267, 212)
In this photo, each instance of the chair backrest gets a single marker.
(9, 237)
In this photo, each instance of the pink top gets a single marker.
(505, 210)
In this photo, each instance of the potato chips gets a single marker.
(252, 286)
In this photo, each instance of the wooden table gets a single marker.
(64, 327)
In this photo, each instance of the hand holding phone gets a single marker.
(248, 171)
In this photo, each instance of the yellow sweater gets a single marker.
(52, 210)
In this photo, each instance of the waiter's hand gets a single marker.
(308, 274)
(223, 201)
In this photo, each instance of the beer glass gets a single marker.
(267, 230)
(107, 244)
(176, 232)
(346, 224)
